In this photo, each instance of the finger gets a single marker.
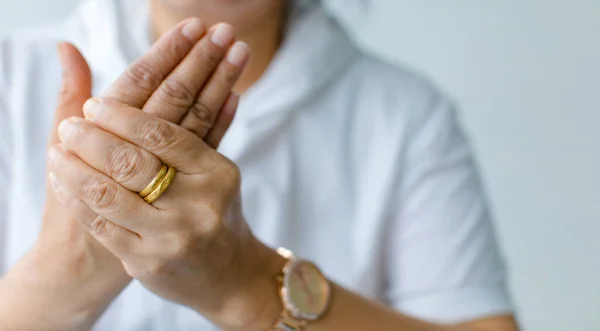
(143, 77)
(202, 115)
(103, 195)
(169, 142)
(128, 164)
(223, 122)
(178, 91)
(120, 241)
(75, 89)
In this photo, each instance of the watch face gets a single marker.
(308, 290)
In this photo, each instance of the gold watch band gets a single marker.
(288, 323)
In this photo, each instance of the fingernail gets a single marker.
(239, 54)
(223, 35)
(193, 30)
(91, 108)
(66, 129)
(54, 182)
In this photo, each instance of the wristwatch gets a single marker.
(305, 293)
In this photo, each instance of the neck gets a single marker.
(262, 34)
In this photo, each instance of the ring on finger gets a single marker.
(154, 184)
(159, 184)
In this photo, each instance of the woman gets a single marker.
(351, 164)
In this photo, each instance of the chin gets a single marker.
(213, 11)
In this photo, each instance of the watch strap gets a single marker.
(288, 322)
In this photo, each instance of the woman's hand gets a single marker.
(192, 246)
(38, 292)
(69, 278)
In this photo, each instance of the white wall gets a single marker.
(21, 13)
(527, 75)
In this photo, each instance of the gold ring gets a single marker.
(154, 184)
(163, 185)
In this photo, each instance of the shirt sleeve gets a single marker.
(444, 264)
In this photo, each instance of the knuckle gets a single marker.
(202, 113)
(124, 163)
(177, 249)
(232, 174)
(177, 47)
(213, 211)
(100, 227)
(211, 57)
(157, 134)
(228, 77)
(143, 76)
(177, 93)
(100, 194)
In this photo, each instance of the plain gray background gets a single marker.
(527, 76)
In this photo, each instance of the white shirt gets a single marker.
(346, 160)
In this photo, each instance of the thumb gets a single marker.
(76, 86)
(75, 90)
